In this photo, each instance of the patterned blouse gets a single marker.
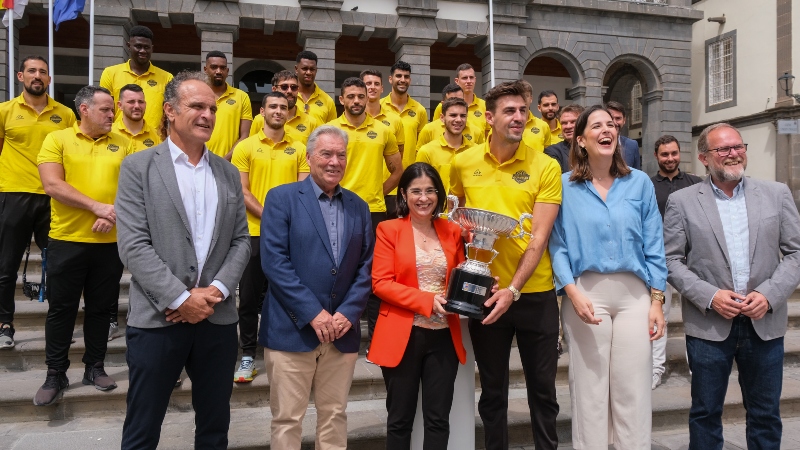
(431, 272)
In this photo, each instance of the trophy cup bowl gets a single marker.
(470, 284)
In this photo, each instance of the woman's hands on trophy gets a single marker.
(438, 305)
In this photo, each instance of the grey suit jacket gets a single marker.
(155, 241)
(699, 264)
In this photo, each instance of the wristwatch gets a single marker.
(657, 296)
(514, 291)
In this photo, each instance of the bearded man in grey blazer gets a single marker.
(182, 233)
(733, 252)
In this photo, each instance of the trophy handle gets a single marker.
(522, 231)
(494, 252)
(449, 215)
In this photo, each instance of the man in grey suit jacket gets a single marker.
(724, 240)
(182, 233)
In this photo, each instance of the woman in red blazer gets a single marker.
(415, 338)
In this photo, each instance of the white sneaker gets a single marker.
(246, 372)
(656, 380)
(113, 331)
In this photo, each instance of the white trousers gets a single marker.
(610, 364)
(660, 345)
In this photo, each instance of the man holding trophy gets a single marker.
(507, 177)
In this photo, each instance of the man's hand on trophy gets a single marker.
(438, 305)
(502, 300)
(496, 286)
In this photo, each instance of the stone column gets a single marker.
(318, 30)
(219, 37)
(577, 95)
(508, 16)
(413, 45)
(4, 94)
(651, 127)
(112, 21)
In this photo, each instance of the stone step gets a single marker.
(124, 284)
(366, 420)
(675, 321)
(30, 314)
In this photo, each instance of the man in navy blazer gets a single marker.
(316, 252)
(630, 148)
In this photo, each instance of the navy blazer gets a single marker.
(630, 152)
(304, 279)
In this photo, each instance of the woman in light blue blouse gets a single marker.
(607, 250)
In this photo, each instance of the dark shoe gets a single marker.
(560, 348)
(97, 376)
(6, 335)
(51, 389)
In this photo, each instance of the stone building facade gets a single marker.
(593, 49)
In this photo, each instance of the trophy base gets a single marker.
(464, 308)
(466, 293)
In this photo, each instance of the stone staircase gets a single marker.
(87, 418)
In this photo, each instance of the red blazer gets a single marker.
(394, 280)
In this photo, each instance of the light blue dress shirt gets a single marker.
(624, 233)
(733, 214)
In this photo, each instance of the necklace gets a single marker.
(421, 234)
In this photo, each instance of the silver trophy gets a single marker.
(471, 282)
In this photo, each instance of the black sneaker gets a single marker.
(6, 335)
(51, 389)
(96, 375)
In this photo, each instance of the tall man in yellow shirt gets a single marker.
(548, 107)
(373, 79)
(441, 152)
(79, 167)
(24, 123)
(506, 176)
(370, 145)
(414, 115)
(435, 129)
(132, 122)
(271, 158)
(537, 131)
(234, 113)
(314, 100)
(298, 123)
(140, 71)
(465, 77)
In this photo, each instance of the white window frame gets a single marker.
(721, 72)
(636, 104)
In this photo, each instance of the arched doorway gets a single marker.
(255, 78)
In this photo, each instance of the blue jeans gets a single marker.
(760, 366)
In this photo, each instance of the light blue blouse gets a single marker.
(622, 234)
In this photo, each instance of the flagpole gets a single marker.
(11, 73)
(91, 42)
(491, 42)
(50, 57)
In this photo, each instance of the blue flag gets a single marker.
(64, 10)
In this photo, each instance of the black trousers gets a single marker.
(431, 358)
(21, 214)
(156, 357)
(252, 288)
(76, 268)
(534, 320)
(373, 302)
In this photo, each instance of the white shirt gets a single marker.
(199, 194)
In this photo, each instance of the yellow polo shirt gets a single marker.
(298, 127)
(440, 155)
(395, 124)
(23, 131)
(320, 105)
(414, 116)
(367, 146)
(152, 82)
(556, 135)
(435, 130)
(233, 106)
(510, 188)
(144, 139)
(537, 133)
(268, 164)
(90, 166)
(476, 113)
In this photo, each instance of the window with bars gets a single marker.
(636, 104)
(721, 71)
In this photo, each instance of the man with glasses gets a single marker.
(299, 125)
(724, 239)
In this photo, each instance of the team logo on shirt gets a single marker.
(230, 101)
(55, 118)
(301, 128)
(477, 173)
(468, 136)
(259, 150)
(561, 135)
(113, 147)
(289, 150)
(319, 103)
(477, 114)
(521, 176)
(152, 83)
(535, 130)
(412, 114)
(148, 143)
(386, 122)
(20, 117)
(372, 135)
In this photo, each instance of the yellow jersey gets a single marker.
(146, 137)
(440, 155)
(367, 146)
(510, 188)
(90, 166)
(434, 130)
(320, 105)
(537, 133)
(299, 127)
(233, 106)
(556, 135)
(23, 131)
(268, 164)
(414, 117)
(395, 124)
(476, 114)
(152, 83)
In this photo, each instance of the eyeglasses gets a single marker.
(418, 192)
(725, 151)
(286, 87)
